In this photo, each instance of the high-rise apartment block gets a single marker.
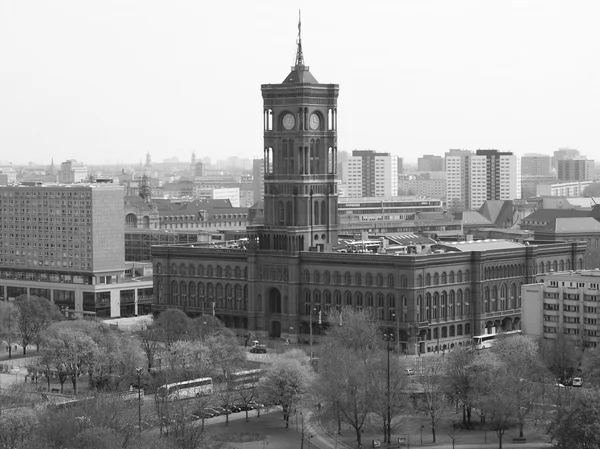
(534, 165)
(579, 169)
(473, 178)
(430, 162)
(371, 174)
(66, 243)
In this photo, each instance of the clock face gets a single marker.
(288, 121)
(314, 121)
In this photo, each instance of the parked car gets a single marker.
(409, 372)
(577, 382)
(221, 410)
(255, 405)
(258, 349)
(203, 414)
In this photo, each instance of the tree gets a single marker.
(493, 393)
(224, 352)
(579, 426)
(458, 381)
(68, 351)
(35, 316)
(522, 362)
(434, 394)
(347, 385)
(150, 338)
(285, 383)
(172, 325)
(16, 428)
(590, 365)
(560, 355)
(9, 315)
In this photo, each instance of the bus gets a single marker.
(487, 340)
(186, 389)
(244, 379)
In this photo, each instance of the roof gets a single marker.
(300, 74)
(571, 225)
(547, 215)
(497, 211)
(482, 245)
(473, 217)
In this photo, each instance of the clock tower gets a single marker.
(300, 160)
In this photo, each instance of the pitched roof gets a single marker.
(497, 211)
(547, 215)
(300, 74)
(575, 225)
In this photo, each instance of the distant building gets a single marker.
(472, 178)
(423, 185)
(567, 189)
(534, 165)
(429, 162)
(72, 172)
(581, 169)
(371, 174)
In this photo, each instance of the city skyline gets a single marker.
(107, 84)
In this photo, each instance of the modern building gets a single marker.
(289, 274)
(72, 171)
(371, 174)
(564, 189)
(66, 243)
(472, 178)
(429, 162)
(426, 185)
(563, 302)
(580, 169)
(536, 165)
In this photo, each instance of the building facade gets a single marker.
(289, 279)
(563, 303)
(66, 243)
(371, 174)
(472, 178)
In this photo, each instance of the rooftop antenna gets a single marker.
(299, 55)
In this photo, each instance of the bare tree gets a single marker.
(435, 400)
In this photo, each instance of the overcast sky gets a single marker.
(108, 81)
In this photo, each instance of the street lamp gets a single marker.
(311, 333)
(388, 336)
(396, 316)
(139, 385)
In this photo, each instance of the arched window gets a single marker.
(306, 276)
(436, 279)
(337, 297)
(316, 277)
(419, 281)
(317, 296)
(337, 278)
(326, 278)
(174, 292)
(327, 295)
(358, 299)
(380, 300)
(368, 279)
(459, 276)
(358, 279)
(219, 271)
(444, 278)
(348, 296)
(192, 270)
(379, 280)
(391, 280)
(427, 280)
(348, 278)
(369, 297)
(451, 277)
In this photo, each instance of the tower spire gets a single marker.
(299, 55)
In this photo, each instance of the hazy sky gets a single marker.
(108, 81)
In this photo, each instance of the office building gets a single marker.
(66, 243)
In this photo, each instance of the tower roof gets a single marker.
(300, 72)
